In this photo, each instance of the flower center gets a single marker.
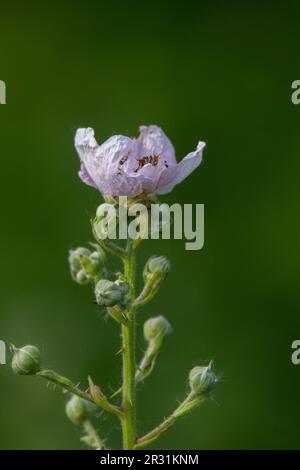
(153, 159)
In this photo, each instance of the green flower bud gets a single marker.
(108, 293)
(74, 257)
(98, 257)
(157, 266)
(155, 271)
(26, 361)
(85, 266)
(81, 277)
(202, 379)
(79, 410)
(156, 327)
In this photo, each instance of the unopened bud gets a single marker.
(79, 410)
(202, 379)
(98, 256)
(85, 266)
(156, 269)
(109, 293)
(26, 360)
(156, 328)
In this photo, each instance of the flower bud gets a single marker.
(98, 257)
(156, 327)
(156, 265)
(85, 265)
(79, 410)
(108, 293)
(155, 271)
(26, 361)
(202, 379)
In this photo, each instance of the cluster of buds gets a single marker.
(85, 265)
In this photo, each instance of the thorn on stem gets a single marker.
(121, 350)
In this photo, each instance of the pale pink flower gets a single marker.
(122, 166)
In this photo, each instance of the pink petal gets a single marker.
(85, 177)
(153, 141)
(100, 161)
(123, 184)
(175, 174)
(115, 151)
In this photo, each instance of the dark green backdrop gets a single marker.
(216, 71)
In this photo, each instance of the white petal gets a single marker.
(175, 174)
(115, 152)
(101, 161)
(153, 141)
(123, 184)
(87, 148)
(85, 177)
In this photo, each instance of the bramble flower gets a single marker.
(137, 169)
(122, 166)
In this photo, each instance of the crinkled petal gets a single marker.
(85, 177)
(123, 184)
(175, 174)
(87, 148)
(100, 161)
(153, 141)
(114, 152)
(119, 167)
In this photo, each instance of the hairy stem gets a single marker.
(92, 433)
(64, 383)
(128, 339)
(109, 245)
(191, 402)
(69, 386)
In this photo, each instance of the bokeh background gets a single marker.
(216, 71)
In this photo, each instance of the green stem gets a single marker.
(109, 245)
(92, 433)
(128, 337)
(64, 383)
(96, 397)
(190, 403)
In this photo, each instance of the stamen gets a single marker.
(153, 159)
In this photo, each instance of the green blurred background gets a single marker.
(216, 71)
